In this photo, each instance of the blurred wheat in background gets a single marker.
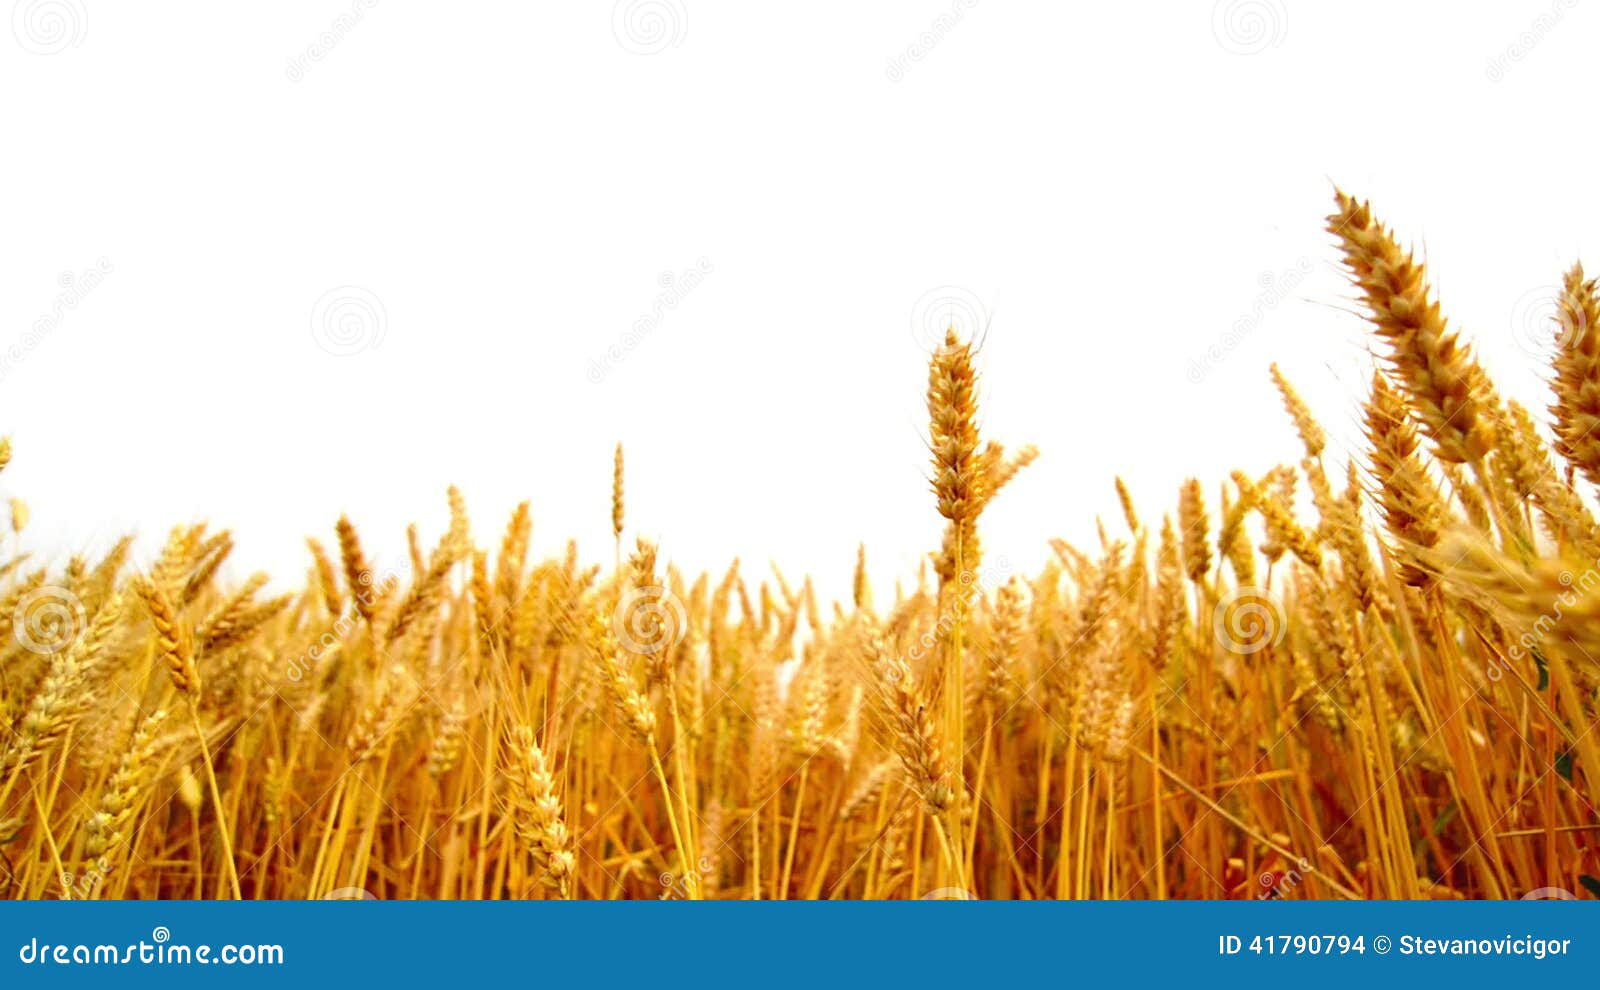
(1365, 679)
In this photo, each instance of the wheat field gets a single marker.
(1373, 679)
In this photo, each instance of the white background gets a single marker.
(1115, 191)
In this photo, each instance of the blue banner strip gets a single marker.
(974, 943)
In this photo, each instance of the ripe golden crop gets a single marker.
(1384, 691)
